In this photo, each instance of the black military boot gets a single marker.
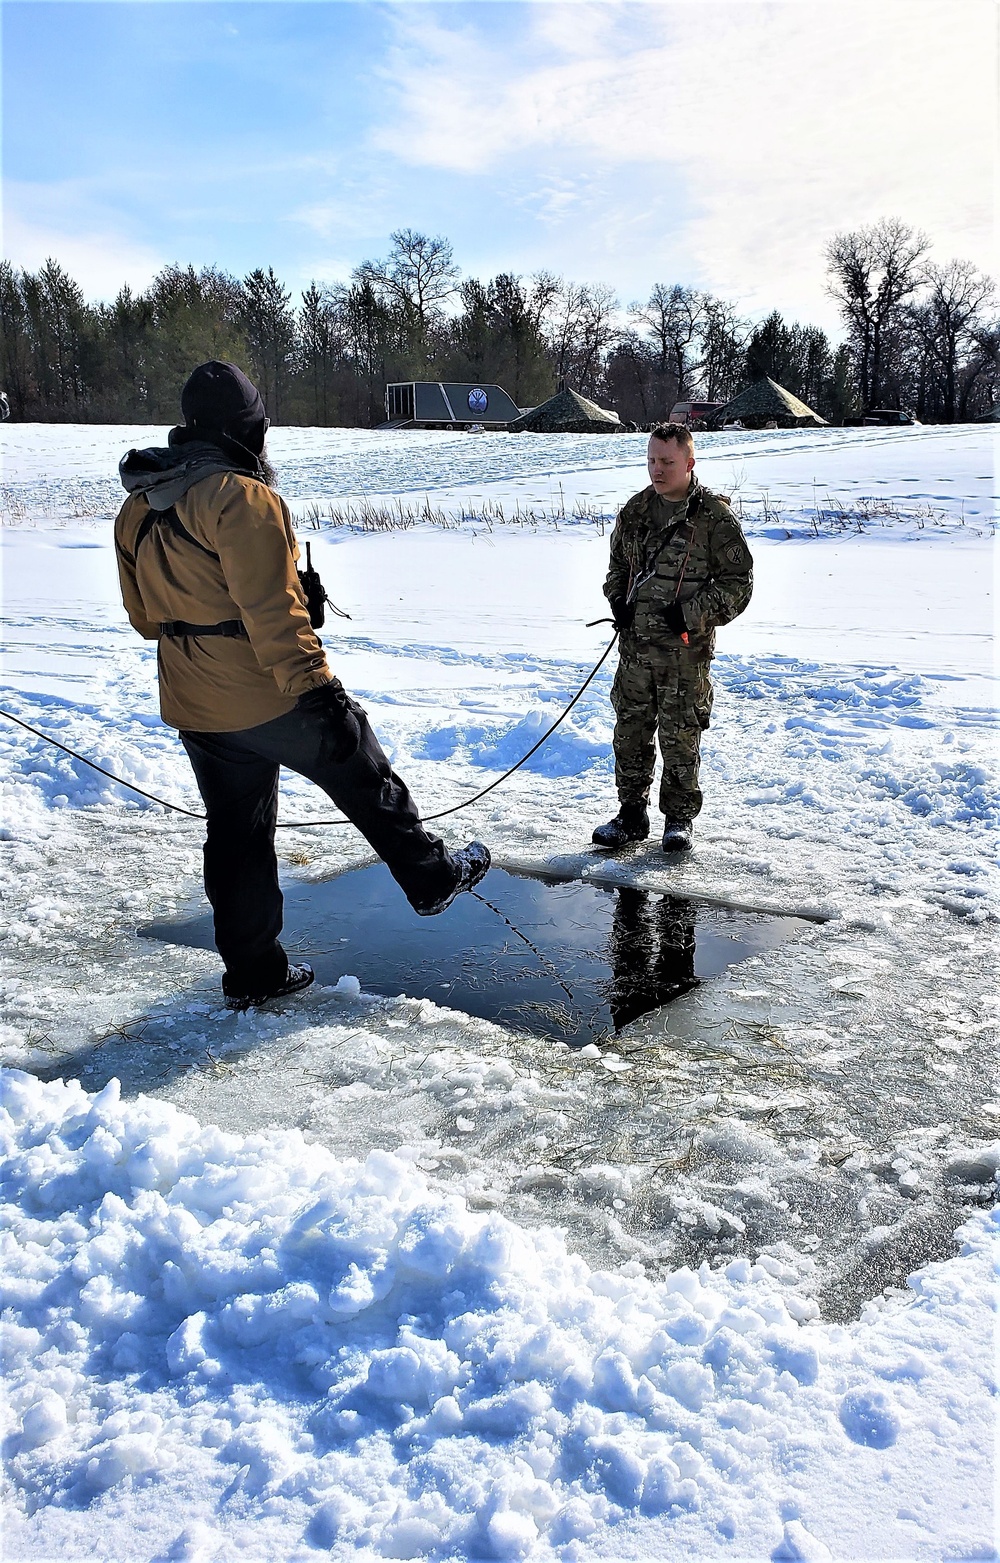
(296, 978)
(631, 823)
(676, 835)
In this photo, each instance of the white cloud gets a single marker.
(776, 122)
(57, 221)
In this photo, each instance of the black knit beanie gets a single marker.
(219, 399)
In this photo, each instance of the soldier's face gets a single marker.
(670, 468)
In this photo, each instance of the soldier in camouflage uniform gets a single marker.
(680, 567)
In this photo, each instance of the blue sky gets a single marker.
(718, 143)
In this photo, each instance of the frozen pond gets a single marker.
(829, 1092)
(560, 958)
(709, 1260)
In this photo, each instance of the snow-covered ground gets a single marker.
(371, 1278)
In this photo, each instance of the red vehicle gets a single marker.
(694, 412)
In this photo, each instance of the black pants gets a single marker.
(237, 775)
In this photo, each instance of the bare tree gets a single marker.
(565, 312)
(674, 317)
(918, 334)
(958, 293)
(598, 332)
(417, 278)
(542, 297)
(581, 326)
(872, 271)
(980, 376)
(722, 341)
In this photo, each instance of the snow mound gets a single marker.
(573, 747)
(253, 1331)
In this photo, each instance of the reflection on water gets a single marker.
(560, 958)
(652, 953)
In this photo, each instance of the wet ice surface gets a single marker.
(827, 1103)
(566, 960)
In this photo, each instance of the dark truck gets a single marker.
(881, 418)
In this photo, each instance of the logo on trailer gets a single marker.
(478, 400)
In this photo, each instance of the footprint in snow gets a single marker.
(867, 1418)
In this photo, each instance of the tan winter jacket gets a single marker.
(215, 683)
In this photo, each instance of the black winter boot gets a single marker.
(298, 977)
(676, 835)
(631, 823)
(473, 862)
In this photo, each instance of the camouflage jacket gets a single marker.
(706, 566)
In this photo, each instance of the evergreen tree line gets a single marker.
(917, 335)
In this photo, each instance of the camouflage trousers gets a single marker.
(660, 690)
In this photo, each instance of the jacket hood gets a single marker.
(163, 473)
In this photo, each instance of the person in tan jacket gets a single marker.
(207, 564)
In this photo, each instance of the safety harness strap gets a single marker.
(175, 524)
(649, 569)
(173, 629)
(235, 629)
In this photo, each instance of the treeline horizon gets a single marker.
(918, 335)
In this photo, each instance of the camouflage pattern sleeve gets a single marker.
(620, 568)
(729, 586)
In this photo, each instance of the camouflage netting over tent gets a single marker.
(567, 413)
(768, 402)
(993, 416)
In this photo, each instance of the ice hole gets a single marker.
(560, 958)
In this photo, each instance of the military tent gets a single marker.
(765, 401)
(993, 416)
(567, 413)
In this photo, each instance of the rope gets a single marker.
(95, 767)
(302, 824)
(535, 747)
(543, 960)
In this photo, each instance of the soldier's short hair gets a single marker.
(677, 432)
(674, 431)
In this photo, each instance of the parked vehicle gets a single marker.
(694, 412)
(882, 418)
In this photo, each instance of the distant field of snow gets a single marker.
(344, 1320)
(948, 472)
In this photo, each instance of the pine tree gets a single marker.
(268, 324)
